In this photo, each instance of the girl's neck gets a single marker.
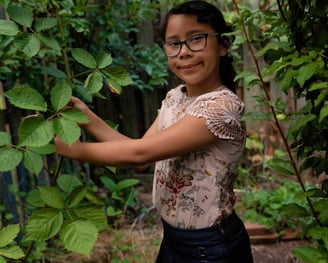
(193, 91)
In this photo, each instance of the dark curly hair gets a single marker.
(208, 14)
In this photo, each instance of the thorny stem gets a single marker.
(274, 113)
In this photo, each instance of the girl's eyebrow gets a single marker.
(190, 33)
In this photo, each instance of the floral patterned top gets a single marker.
(195, 190)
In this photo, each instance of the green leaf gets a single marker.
(94, 214)
(94, 82)
(35, 131)
(34, 199)
(32, 46)
(12, 252)
(4, 138)
(68, 182)
(60, 95)
(25, 97)
(79, 236)
(307, 71)
(52, 197)
(294, 210)
(318, 86)
(114, 86)
(44, 23)
(120, 75)
(22, 15)
(257, 116)
(104, 60)
(8, 28)
(76, 115)
(281, 165)
(67, 130)
(323, 113)
(300, 123)
(43, 224)
(309, 254)
(43, 150)
(8, 234)
(109, 183)
(112, 211)
(50, 42)
(33, 162)
(268, 46)
(9, 159)
(126, 183)
(54, 72)
(77, 196)
(84, 57)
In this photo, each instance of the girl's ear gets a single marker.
(224, 46)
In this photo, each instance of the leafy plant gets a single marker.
(8, 248)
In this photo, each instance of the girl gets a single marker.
(197, 141)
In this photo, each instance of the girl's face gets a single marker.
(199, 70)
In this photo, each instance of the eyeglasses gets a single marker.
(195, 43)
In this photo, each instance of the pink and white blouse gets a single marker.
(195, 190)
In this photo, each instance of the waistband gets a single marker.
(211, 235)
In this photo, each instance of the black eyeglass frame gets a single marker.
(185, 42)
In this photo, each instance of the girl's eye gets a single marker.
(173, 44)
(196, 38)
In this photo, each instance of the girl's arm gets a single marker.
(188, 134)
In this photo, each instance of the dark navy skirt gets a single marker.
(227, 242)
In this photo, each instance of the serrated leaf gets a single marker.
(32, 46)
(4, 138)
(8, 234)
(33, 162)
(9, 159)
(79, 236)
(25, 97)
(281, 165)
(68, 131)
(60, 95)
(77, 196)
(34, 199)
(44, 23)
(22, 15)
(8, 28)
(12, 252)
(35, 131)
(120, 75)
(104, 60)
(50, 42)
(94, 82)
(76, 115)
(84, 57)
(43, 224)
(54, 72)
(46, 149)
(52, 197)
(68, 182)
(94, 214)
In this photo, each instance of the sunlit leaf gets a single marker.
(94, 214)
(34, 199)
(94, 82)
(120, 75)
(104, 60)
(76, 196)
(84, 57)
(8, 28)
(75, 115)
(43, 224)
(35, 131)
(33, 162)
(60, 95)
(12, 252)
(79, 236)
(46, 149)
(52, 197)
(8, 234)
(9, 159)
(4, 138)
(25, 97)
(67, 130)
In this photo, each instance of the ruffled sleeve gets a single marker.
(222, 111)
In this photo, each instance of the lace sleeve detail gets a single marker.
(222, 114)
